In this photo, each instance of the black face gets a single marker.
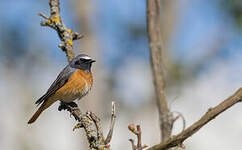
(83, 62)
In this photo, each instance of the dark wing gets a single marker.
(57, 84)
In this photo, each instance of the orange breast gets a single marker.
(86, 76)
(77, 86)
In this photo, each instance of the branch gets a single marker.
(113, 117)
(89, 121)
(65, 35)
(91, 124)
(138, 133)
(179, 115)
(156, 50)
(208, 116)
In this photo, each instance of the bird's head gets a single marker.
(83, 62)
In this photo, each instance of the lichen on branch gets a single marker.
(66, 35)
(88, 121)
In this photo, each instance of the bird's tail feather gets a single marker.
(43, 106)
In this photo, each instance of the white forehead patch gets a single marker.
(86, 57)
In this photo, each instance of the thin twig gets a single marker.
(113, 118)
(132, 144)
(97, 122)
(139, 144)
(180, 116)
(44, 16)
(207, 117)
(138, 133)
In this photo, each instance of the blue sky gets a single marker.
(200, 23)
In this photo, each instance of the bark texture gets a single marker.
(156, 51)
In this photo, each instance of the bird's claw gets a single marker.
(72, 104)
(62, 106)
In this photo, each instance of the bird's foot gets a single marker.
(72, 106)
(62, 106)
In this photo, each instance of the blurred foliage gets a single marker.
(234, 8)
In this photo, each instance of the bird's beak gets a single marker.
(92, 61)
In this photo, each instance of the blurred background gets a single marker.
(203, 43)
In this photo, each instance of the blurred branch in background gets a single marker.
(169, 18)
(89, 121)
(156, 52)
(209, 115)
(83, 12)
(234, 7)
(165, 116)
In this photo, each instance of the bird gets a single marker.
(73, 82)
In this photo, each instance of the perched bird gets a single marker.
(74, 82)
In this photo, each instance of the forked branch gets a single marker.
(208, 116)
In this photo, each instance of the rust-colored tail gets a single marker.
(36, 115)
(43, 106)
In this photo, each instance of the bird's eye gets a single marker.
(77, 63)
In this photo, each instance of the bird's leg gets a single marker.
(68, 106)
(71, 107)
